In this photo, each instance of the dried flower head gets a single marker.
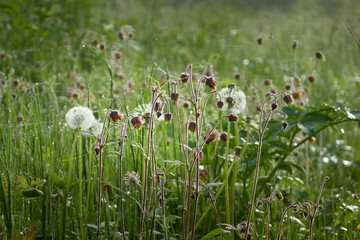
(192, 126)
(203, 173)
(210, 82)
(233, 118)
(168, 117)
(214, 136)
(234, 99)
(80, 118)
(259, 41)
(20, 117)
(118, 55)
(184, 77)
(132, 178)
(137, 122)
(287, 99)
(115, 116)
(311, 79)
(174, 96)
(238, 76)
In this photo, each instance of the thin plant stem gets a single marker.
(282, 219)
(312, 216)
(99, 192)
(80, 185)
(121, 191)
(226, 179)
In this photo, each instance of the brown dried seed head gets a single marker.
(174, 96)
(192, 126)
(186, 104)
(259, 40)
(168, 117)
(274, 106)
(121, 35)
(184, 77)
(287, 99)
(118, 55)
(212, 137)
(220, 104)
(223, 136)
(319, 55)
(312, 140)
(102, 47)
(20, 117)
(233, 118)
(210, 82)
(297, 95)
(293, 47)
(284, 125)
(203, 173)
(287, 86)
(115, 116)
(16, 83)
(94, 43)
(238, 76)
(137, 122)
(312, 79)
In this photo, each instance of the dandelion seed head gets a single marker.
(144, 111)
(234, 99)
(80, 118)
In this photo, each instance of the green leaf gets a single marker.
(22, 181)
(211, 234)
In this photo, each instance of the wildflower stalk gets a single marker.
(99, 191)
(234, 176)
(268, 200)
(219, 192)
(312, 216)
(120, 186)
(282, 219)
(261, 132)
(80, 166)
(226, 180)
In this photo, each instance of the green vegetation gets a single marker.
(169, 149)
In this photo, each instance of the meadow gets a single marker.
(179, 119)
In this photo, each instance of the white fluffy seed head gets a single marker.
(80, 118)
(234, 99)
(144, 111)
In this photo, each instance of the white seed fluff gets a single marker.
(80, 118)
(234, 99)
(144, 111)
